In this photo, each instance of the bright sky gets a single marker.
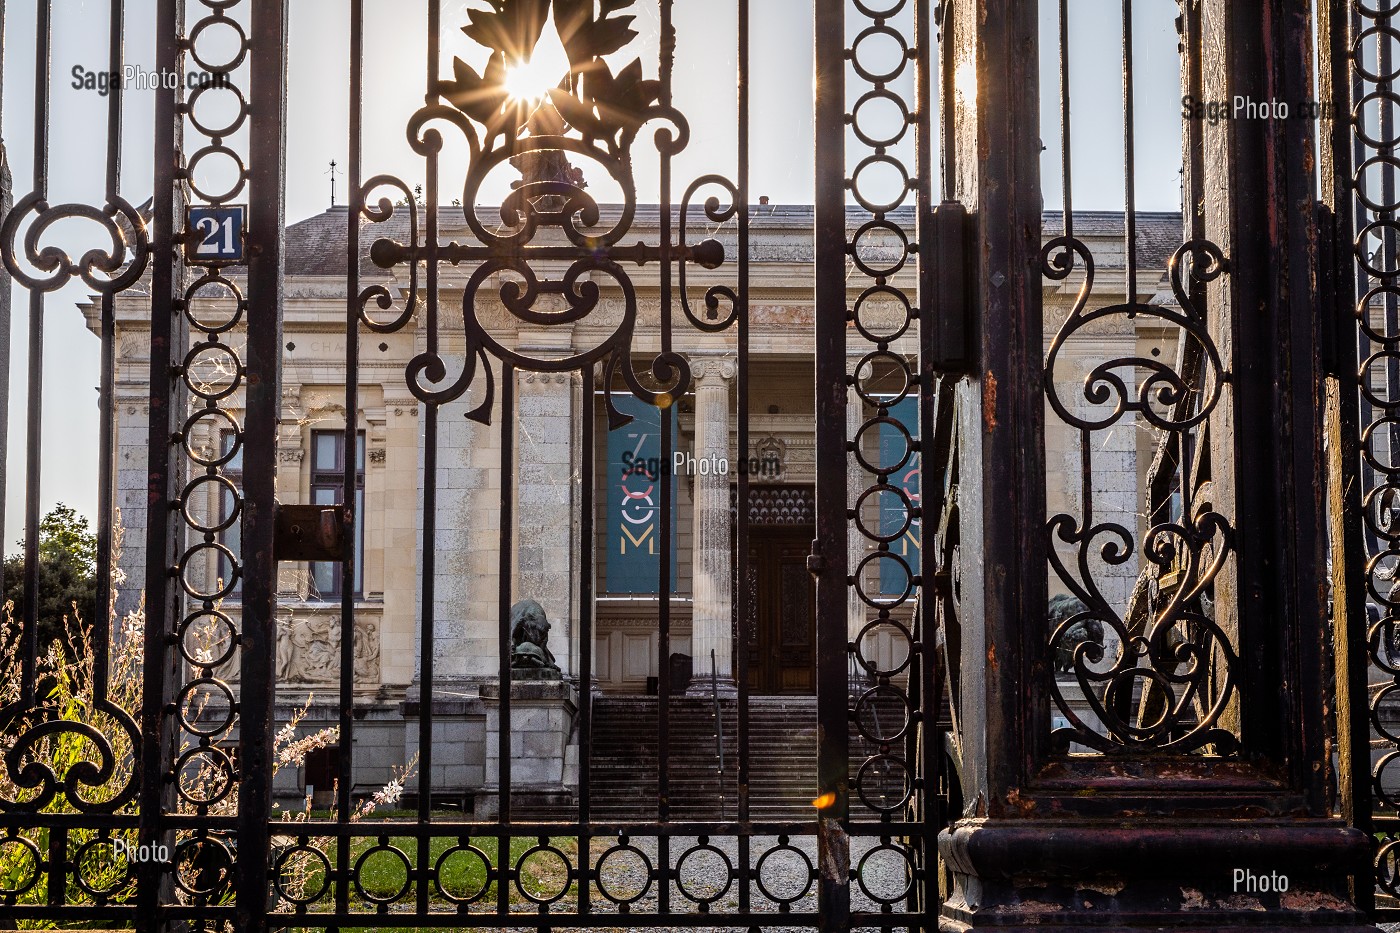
(781, 161)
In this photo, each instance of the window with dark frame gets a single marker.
(327, 488)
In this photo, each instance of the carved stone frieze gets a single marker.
(308, 650)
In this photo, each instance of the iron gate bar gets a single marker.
(740, 595)
(266, 231)
(426, 653)
(169, 333)
(345, 739)
(34, 427)
(828, 561)
(664, 589)
(589, 410)
(508, 388)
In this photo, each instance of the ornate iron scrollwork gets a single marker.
(592, 115)
(1167, 672)
(50, 760)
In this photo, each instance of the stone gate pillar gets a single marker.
(711, 583)
(1217, 815)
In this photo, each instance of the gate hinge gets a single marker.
(308, 532)
(814, 560)
(946, 307)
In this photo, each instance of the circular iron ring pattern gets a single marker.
(213, 281)
(304, 853)
(904, 508)
(464, 850)
(804, 871)
(881, 734)
(204, 775)
(218, 21)
(396, 856)
(88, 860)
(227, 636)
(867, 328)
(187, 702)
(864, 133)
(624, 849)
(203, 865)
(882, 851)
(28, 856)
(228, 129)
(870, 664)
(209, 445)
(867, 782)
(884, 513)
(543, 852)
(701, 850)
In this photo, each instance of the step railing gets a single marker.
(719, 733)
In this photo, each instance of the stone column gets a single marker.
(544, 503)
(293, 579)
(711, 583)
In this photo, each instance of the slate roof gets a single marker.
(316, 246)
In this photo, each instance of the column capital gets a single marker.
(707, 369)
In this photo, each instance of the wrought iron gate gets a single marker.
(170, 819)
(162, 814)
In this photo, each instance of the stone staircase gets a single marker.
(782, 759)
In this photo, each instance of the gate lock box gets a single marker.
(309, 532)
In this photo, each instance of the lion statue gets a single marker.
(529, 637)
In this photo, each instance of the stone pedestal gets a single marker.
(544, 757)
(711, 576)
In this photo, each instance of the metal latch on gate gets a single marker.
(946, 297)
(309, 532)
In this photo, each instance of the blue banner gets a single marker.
(893, 513)
(633, 474)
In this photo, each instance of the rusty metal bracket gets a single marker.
(309, 532)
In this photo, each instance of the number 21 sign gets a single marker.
(215, 234)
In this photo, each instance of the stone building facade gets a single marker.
(547, 440)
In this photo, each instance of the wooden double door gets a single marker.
(780, 634)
